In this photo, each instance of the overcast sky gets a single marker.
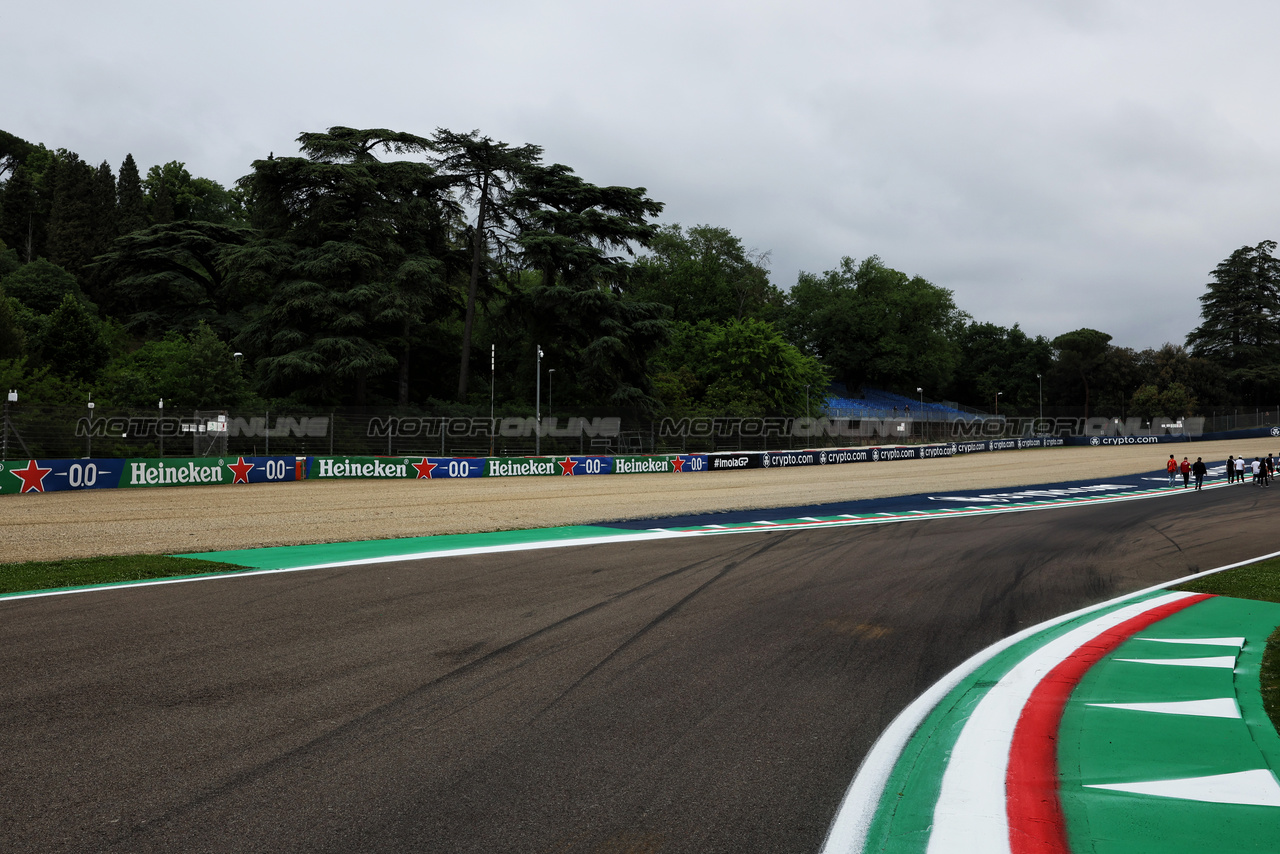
(1054, 164)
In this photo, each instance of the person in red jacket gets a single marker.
(1172, 468)
(1185, 468)
(1199, 469)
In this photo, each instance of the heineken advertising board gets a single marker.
(417, 468)
(60, 475)
(208, 470)
(660, 463)
(525, 466)
(57, 475)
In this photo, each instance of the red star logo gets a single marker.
(677, 464)
(566, 466)
(242, 469)
(32, 477)
(424, 469)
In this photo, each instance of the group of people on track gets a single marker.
(1262, 469)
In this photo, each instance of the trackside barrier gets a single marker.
(60, 475)
(22, 476)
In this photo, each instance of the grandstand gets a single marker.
(874, 403)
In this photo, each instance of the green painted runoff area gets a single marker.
(1101, 746)
(904, 816)
(291, 557)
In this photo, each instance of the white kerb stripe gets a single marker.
(971, 811)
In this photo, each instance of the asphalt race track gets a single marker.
(712, 694)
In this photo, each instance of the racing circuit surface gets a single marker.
(711, 694)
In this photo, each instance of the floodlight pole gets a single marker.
(88, 434)
(493, 376)
(537, 404)
(920, 391)
(1040, 399)
(160, 427)
(12, 398)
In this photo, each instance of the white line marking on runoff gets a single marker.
(1236, 642)
(1226, 662)
(1223, 707)
(852, 822)
(1256, 788)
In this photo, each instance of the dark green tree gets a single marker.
(995, 359)
(176, 275)
(484, 173)
(1240, 313)
(874, 325)
(73, 228)
(1081, 355)
(41, 285)
(198, 370)
(73, 343)
(355, 248)
(739, 368)
(706, 273)
(131, 198)
(21, 222)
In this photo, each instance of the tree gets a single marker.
(73, 226)
(1080, 354)
(1241, 314)
(73, 344)
(485, 173)
(705, 273)
(21, 223)
(872, 324)
(356, 251)
(739, 368)
(41, 285)
(197, 370)
(131, 198)
(995, 359)
(175, 275)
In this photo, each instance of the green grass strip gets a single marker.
(1260, 581)
(85, 572)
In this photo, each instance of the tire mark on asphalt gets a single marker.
(351, 727)
(660, 618)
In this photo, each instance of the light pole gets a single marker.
(12, 398)
(88, 434)
(537, 403)
(1040, 398)
(920, 391)
(493, 376)
(998, 401)
(160, 427)
(551, 410)
(807, 413)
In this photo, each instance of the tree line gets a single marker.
(382, 268)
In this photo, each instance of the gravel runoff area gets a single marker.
(169, 520)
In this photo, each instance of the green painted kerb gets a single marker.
(290, 557)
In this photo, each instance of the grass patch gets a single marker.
(82, 572)
(1260, 581)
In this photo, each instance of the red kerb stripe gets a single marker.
(1036, 823)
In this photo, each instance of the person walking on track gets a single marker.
(1172, 468)
(1199, 469)
(1185, 468)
